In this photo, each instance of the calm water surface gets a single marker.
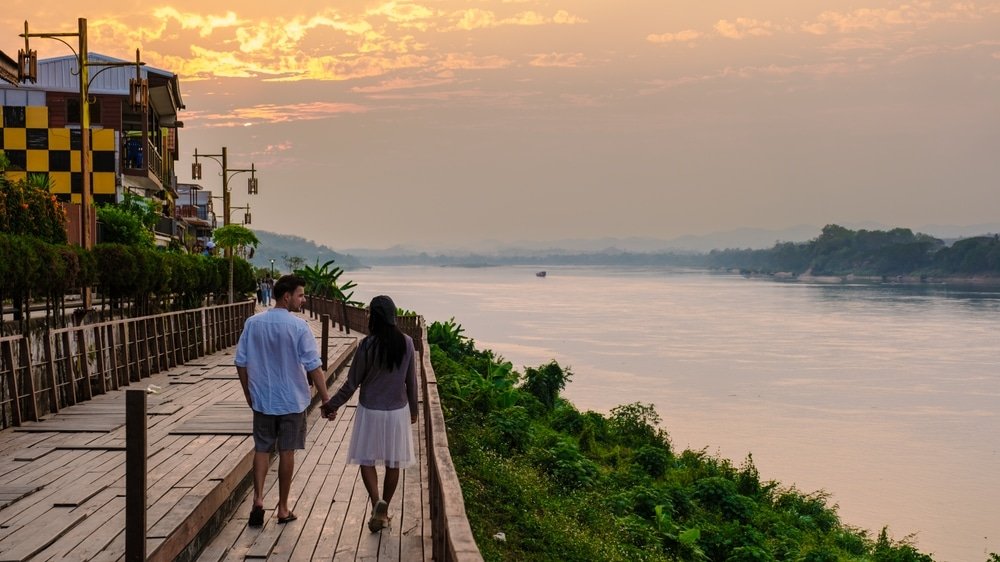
(887, 398)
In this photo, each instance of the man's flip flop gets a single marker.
(291, 517)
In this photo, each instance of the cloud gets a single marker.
(206, 25)
(477, 18)
(469, 61)
(403, 12)
(775, 72)
(914, 15)
(684, 36)
(745, 27)
(397, 84)
(562, 60)
(280, 147)
(563, 17)
(273, 113)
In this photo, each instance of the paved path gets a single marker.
(62, 480)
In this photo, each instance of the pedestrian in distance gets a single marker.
(384, 367)
(275, 355)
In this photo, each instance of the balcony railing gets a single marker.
(155, 160)
(139, 156)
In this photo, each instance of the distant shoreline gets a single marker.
(976, 280)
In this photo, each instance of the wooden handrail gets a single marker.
(75, 363)
(452, 537)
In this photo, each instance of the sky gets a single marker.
(434, 122)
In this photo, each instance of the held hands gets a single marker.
(328, 412)
(413, 419)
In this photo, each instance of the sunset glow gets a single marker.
(645, 118)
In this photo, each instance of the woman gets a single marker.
(385, 369)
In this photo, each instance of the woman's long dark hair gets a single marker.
(387, 343)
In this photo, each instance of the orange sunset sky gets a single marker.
(439, 122)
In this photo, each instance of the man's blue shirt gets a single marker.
(277, 349)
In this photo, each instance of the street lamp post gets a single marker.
(27, 64)
(272, 268)
(227, 174)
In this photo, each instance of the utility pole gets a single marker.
(27, 62)
(227, 174)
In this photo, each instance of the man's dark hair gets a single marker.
(287, 284)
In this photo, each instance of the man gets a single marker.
(275, 354)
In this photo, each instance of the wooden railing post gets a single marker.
(12, 390)
(29, 384)
(347, 321)
(135, 475)
(325, 342)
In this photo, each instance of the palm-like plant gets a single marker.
(323, 281)
(231, 237)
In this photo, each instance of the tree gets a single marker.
(231, 237)
(293, 262)
(545, 382)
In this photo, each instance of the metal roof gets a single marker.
(59, 74)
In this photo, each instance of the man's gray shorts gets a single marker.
(288, 431)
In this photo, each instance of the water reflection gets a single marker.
(884, 395)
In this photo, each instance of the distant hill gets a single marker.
(611, 250)
(281, 246)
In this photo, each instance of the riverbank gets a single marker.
(543, 480)
(870, 392)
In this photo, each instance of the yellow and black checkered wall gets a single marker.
(33, 148)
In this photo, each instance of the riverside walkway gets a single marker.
(62, 479)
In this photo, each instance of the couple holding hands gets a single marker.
(274, 351)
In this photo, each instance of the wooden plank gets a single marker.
(276, 542)
(31, 541)
(221, 543)
(411, 528)
(32, 453)
(11, 494)
(105, 516)
(215, 493)
(76, 496)
(330, 537)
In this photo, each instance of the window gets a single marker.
(73, 111)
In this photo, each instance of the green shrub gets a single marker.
(545, 382)
(653, 460)
(567, 466)
(635, 425)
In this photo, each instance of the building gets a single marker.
(133, 149)
(194, 209)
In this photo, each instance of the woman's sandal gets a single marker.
(380, 517)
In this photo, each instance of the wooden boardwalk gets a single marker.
(62, 480)
(332, 506)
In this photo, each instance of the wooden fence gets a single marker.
(452, 535)
(41, 373)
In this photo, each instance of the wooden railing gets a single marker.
(452, 537)
(41, 373)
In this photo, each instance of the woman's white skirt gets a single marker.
(382, 438)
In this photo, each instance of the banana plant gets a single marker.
(323, 281)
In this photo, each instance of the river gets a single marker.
(885, 397)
